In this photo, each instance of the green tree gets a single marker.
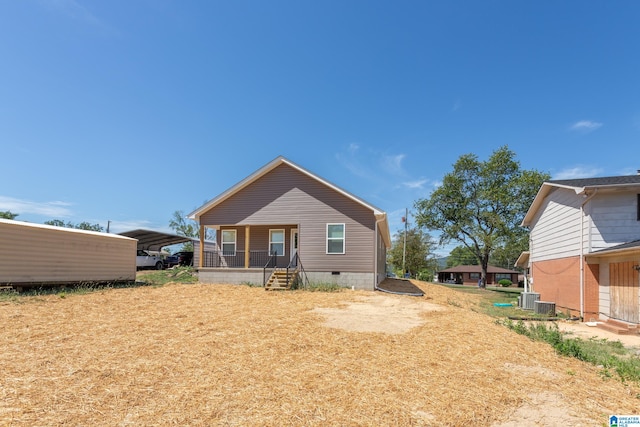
(419, 260)
(179, 224)
(8, 215)
(481, 204)
(82, 226)
(461, 255)
(187, 228)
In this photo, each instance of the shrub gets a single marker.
(505, 283)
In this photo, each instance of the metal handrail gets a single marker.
(271, 264)
(296, 264)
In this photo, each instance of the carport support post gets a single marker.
(246, 246)
(201, 260)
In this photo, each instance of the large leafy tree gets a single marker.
(187, 228)
(82, 226)
(182, 227)
(481, 204)
(8, 215)
(461, 255)
(419, 258)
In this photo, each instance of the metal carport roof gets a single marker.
(154, 240)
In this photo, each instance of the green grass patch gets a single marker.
(322, 287)
(172, 275)
(612, 356)
(63, 291)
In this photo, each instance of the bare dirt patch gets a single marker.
(378, 313)
(234, 356)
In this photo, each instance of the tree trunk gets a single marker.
(485, 266)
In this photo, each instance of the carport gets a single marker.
(155, 240)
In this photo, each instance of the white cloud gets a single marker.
(456, 105)
(415, 184)
(393, 164)
(577, 172)
(54, 209)
(585, 126)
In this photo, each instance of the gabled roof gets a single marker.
(477, 269)
(599, 182)
(580, 186)
(280, 160)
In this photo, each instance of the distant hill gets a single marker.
(442, 262)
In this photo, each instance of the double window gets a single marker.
(229, 242)
(335, 239)
(276, 242)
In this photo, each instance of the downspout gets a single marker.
(584, 202)
(375, 260)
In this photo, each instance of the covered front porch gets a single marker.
(249, 246)
(248, 253)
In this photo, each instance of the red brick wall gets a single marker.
(558, 281)
(591, 291)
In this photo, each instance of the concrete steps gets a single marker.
(619, 327)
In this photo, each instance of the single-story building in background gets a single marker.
(38, 254)
(470, 274)
(284, 214)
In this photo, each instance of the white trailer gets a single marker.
(36, 254)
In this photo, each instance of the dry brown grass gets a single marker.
(240, 356)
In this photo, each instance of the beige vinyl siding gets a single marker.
(33, 253)
(287, 196)
(555, 232)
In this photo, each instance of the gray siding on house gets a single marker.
(34, 254)
(555, 231)
(613, 219)
(285, 195)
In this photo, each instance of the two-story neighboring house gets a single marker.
(284, 214)
(584, 247)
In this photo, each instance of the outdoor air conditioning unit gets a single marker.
(545, 307)
(527, 300)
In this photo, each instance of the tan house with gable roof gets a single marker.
(283, 216)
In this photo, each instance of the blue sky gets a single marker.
(126, 111)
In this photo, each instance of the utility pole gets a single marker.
(405, 219)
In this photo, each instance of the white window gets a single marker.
(276, 242)
(228, 242)
(335, 238)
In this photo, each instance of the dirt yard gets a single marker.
(203, 355)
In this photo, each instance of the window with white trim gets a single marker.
(335, 238)
(229, 242)
(276, 242)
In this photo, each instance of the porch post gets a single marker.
(246, 246)
(201, 260)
